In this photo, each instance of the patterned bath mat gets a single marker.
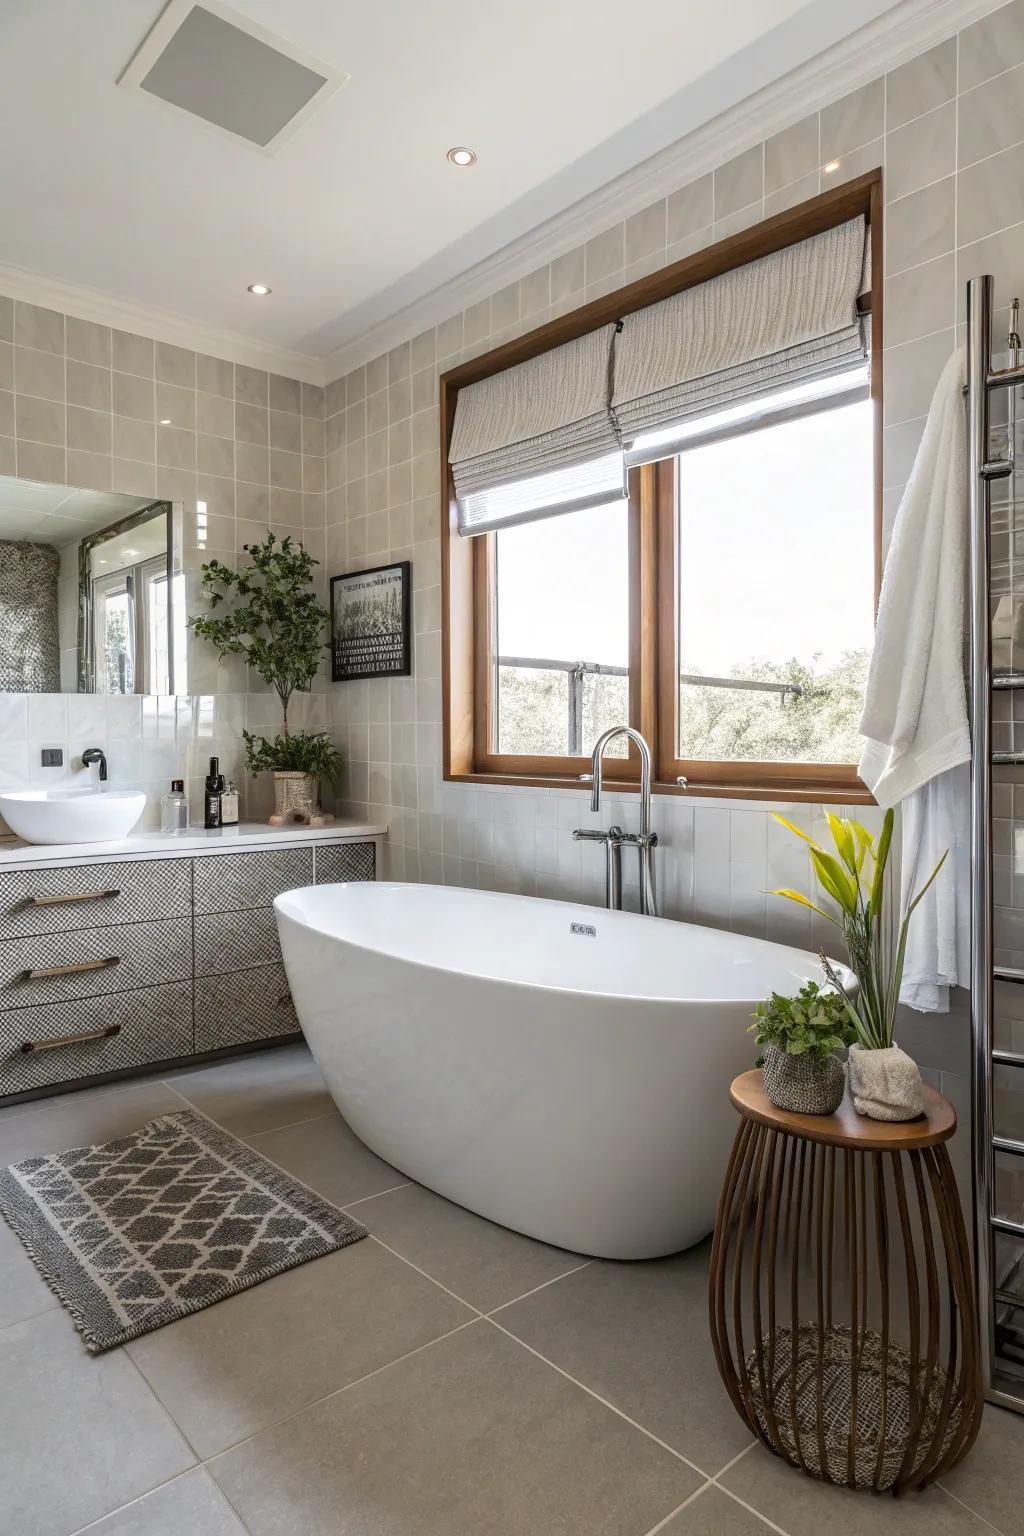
(140, 1231)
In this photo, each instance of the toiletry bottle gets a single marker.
(229, 806)
(174, 808)
(214, 791)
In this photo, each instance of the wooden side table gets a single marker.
(842, 1301)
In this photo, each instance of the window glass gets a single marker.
(775, 542)
(562, 633)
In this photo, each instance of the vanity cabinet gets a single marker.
(115, 965)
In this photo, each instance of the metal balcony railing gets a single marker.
(578, 670)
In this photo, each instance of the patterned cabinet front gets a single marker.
(345, 861)
(235, 941)
(241, 1006)
(87, 962)
(228, 882)
(89, 1037)
(93, 896)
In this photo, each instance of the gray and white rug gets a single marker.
(140, 1231)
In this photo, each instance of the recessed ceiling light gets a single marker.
(833, 165)
(165, 421)
(259, 289)
(462, 156)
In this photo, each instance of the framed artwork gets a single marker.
(371, 623)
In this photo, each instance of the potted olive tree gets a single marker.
(799, 1037)
(884, 1082)
(273, 619)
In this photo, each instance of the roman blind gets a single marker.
(538, 439)
(782, 320)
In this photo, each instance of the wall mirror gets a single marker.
(91, 592)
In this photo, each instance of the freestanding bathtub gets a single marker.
(559, 1069)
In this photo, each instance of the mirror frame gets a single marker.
(156, 508)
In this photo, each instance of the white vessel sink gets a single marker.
(72, 815)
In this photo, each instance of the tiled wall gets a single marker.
(948, 129)
(241, 450)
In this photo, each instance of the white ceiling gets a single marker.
(57, 514)
(359, 213)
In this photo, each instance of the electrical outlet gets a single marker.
(52, 757)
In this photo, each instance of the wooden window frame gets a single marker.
(466, 564)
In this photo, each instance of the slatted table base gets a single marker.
(842, 1305)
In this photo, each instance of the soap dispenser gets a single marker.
(214, 791)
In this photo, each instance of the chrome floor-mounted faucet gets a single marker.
(645, 841)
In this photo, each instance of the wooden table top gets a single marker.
(846, 1128)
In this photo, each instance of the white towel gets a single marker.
(915, 709)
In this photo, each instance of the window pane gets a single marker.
(776, 586)
(562, 608)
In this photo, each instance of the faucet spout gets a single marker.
(645, 841)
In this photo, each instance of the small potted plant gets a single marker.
(884, 1081)
(276, 623)
(799, 1036)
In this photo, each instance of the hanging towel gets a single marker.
(915, 709)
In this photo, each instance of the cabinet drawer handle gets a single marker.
(33, 1047)
(44, 973)
(59, 900)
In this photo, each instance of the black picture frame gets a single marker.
(376, 653)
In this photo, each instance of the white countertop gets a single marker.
(197, 840)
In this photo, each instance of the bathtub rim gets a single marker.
(567, 907)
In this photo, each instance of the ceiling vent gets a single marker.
(211, 62)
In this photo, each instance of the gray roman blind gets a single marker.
(538, 439)
(782, 320)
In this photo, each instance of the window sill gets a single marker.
(792, 793)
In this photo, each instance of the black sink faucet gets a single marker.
(94, 755)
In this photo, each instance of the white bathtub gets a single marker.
(559, 1069)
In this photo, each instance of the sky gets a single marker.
(777, 556)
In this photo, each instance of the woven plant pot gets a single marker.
(295, 798)
(885, 1084)
(803, 1084)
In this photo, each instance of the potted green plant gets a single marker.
(274, 620)
(799, 1036)
(884, 1081)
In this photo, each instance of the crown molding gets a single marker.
(87, 303)
(904, 32)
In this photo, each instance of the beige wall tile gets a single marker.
(39, 373)
(922, 84)
(132, 354)
(789, 196)
(215, 455)
(215, 375)
(252, 463)
(176, 406)
(90, 471)
(854, 120)
(6, 318)
(285, 431)
(646, 232)
(920, 152)
(921, 226)
(568, 277)
(40, 328)
(911, 373)
(1002, 254)
(252, 385)
(133, 477)
(42, 461)
(175, 365)
(867, 158)
(739, 182)
(6, 365)
(251, 423)
(792, 154)
(285, 394)
(313, 401)
(991, 195)
(285, 469)
(605, 254)
(991, 117)
(134, 439)
(89, 430)
(920, 301)
(133, 396)
(6, 413)
(39, 421)
(88, 385)
(993, 44)
(215, 414)
(88, 342)
(175, 448)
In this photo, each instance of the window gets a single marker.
(725, 609)
(560, 658)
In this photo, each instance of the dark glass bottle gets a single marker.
(214, 790)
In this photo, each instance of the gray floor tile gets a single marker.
(473, 1435)
(249, 1094)
(713, 1513)
(79, 1434)
(330, 1158)
(247, 1362)
(22, 1292)
(990, 1479)
(638, 1335)
(192, 1505)
(485, 1264)
(85, 1121)
(804, 1507)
